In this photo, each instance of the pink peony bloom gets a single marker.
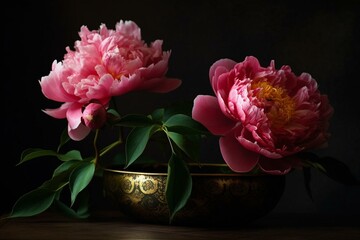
(263, 115)
(105, 63)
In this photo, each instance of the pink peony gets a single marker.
(263, 115)
(105, 63)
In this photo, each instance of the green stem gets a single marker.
(95, 146)
(109, 147)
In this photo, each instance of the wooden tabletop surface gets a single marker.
(110, 225)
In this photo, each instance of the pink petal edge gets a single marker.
(236, 157)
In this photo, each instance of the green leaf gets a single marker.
(134, 120)
(80, 178)
(183, 107)
(178, 185)
(184, 124)
(56, 183)
(137, 141)
(113, 112)
(33, 203)
(64, 138)
(62, 175)
(190, 144)
(337, 171)
(157, 115)
(66, 166)
(31, 153)
(307, 178)
(81, 213)
(71, 155)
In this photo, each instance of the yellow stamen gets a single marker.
(279, 106)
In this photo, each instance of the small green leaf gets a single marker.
(331, 167)
(184, 124)
(64, 138)
(70, 155)
(113, 112)
(79, 214)
(33, 203)
(158, 115)
(337, 171)
(307, 178)
(56, 183)
(31, 153)
(137, 141)
(134, 120)
(178, 185)
(66, 166)
(62, 175)
(183, 107)
(190, 144)
(80, 178)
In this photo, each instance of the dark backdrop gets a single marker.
(321, 37)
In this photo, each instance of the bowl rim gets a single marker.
(116, 169)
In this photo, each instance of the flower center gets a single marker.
(277, 104)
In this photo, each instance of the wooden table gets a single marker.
(110, 225)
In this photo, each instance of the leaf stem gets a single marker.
(109, 147)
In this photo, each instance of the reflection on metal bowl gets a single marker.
(217, 198)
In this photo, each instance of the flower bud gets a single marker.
(94, 115)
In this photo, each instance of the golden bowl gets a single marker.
(217, 198)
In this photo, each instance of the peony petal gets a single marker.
(219, 77)
(125, 85)
(58, 112)
(51, 85)
(74, 115)
(78, 133)
(206, 110)
(102, 89)
(279, 166)
(225, 64)
(238, 158)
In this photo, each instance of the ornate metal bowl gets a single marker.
(217, 198)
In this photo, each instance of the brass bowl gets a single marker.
(217, 198)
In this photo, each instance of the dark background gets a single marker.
(318, 37)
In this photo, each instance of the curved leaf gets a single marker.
(183, 107)
(190, 144)
(184, 124)
(137, 141)
(64, 138)
(331, 167)
(158, 114)
(112, 111)
(70, 155)
(178, 185)
(80, 178)
(81, 213)
(66, 166)
(32, 153)
(134, 120)
(337, 171)
(57, 182)
(33, 203)
(307, 178)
